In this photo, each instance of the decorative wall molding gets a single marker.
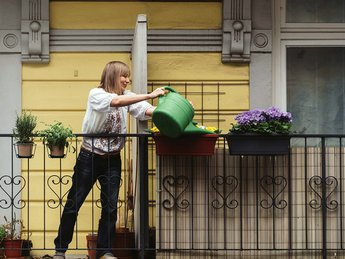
(35, 31)
(91, 40)
(236, 31)
(235, 40)
(185, 40)
(10, 41)
(157, 40)
(261, 41)
(121, 40)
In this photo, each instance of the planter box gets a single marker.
(186, 145)
(252, 144)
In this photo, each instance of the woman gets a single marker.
(99, 158)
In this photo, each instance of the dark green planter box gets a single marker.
(253, 144)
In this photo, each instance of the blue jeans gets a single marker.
(88, 169)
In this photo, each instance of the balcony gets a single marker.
(191, 206)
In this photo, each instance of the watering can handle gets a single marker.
(160, 98)
(170, 89)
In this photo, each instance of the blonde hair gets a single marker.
(110, 80)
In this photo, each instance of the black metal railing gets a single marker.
(225, 204)
(206, 205)
(34, 189)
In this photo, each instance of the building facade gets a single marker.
(247, 53)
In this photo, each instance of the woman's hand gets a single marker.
(157, 92)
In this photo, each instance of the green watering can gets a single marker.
(174, 114)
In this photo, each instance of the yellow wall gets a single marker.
(122, 15)
(59, 90)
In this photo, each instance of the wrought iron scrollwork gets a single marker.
(175, 187)
(330, 183)
(13, 199)
(224, 187)
(53, 181)
(273, 187)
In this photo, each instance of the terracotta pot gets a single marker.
(91, 240)
(13, 248)
(57, 151)
(124, 242)
(25, 150)
(122, 247)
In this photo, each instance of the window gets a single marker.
(309, 71)
(315, 11)
(315, 89)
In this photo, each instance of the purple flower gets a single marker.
(268, 121)
(259, 115)
(274, 113)
(250, 117)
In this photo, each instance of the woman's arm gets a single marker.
(149, 111)
(125, 100)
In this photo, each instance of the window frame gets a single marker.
(297, 35)
(311, 26)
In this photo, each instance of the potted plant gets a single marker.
(2, 237)
(197, 140)
(55, 137)
(123, 246)
(24, 131)
(260, 132)
(13, 241)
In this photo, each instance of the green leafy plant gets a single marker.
(3, 233)
(24, 127)
(13, 228)
(56, 134)
(268, 121)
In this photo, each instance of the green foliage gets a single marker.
(13, 228)
(262, 121)
(56, 134)
(271, 127)
(24, 128)
(3, 233)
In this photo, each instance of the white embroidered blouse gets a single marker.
(100, 117)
